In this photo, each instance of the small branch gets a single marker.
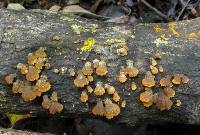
(155, 10)
(182, 10)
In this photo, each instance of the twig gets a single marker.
(155, 10)
(180, 13)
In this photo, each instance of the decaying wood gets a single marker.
(19, 132)
(23, 32)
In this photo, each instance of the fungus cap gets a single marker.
(148, 81)
(28, 94)
(166, 81)
(169, 92)
(33, 73)
(54, 96)
(163, 102)
(154, 70)
(146, 96)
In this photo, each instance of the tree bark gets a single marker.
(23, 32)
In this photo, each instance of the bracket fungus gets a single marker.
(154, 70)
(147, 98)
(33, 73)
(52, 104)
(116, 97)
(111, 109)
(99, 90)
(87, 69)
(180, 78)
(149, 80)
(163, 102)
(110, 89)
(122, 77)
(166, 81)
(99, 109)
(89, 89)
(10, 78)
(101, 69)
(133, 86)
(81, 81)
(169, 92)
(130, 70)
(84, 96)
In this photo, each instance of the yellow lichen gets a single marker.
(88, 45)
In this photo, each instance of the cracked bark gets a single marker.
(22, 32)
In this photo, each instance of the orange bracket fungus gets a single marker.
(89, 89)
(101, 69)
(84, 97)
(147, 98)
(81, 81)
(166, 81)
(130, 70)
(110, 89)
(99, 109)
(95, 63)
(111, 109)
(52, 104)
(163, 102)
(10, 78)
(149, 80)
(116, 97)
(87, 69)
(35, 84)
(133, 86)
(99, 90)
(122, 77)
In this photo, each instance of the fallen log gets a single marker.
(23, 32)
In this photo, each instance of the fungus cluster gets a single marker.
(34, 83)
(106, 108)
(85, 79)
(52, 104)
(128, 72)
(162, 99)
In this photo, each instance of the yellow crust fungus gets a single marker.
(55, 108)
(90, 78)
(131, 71)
